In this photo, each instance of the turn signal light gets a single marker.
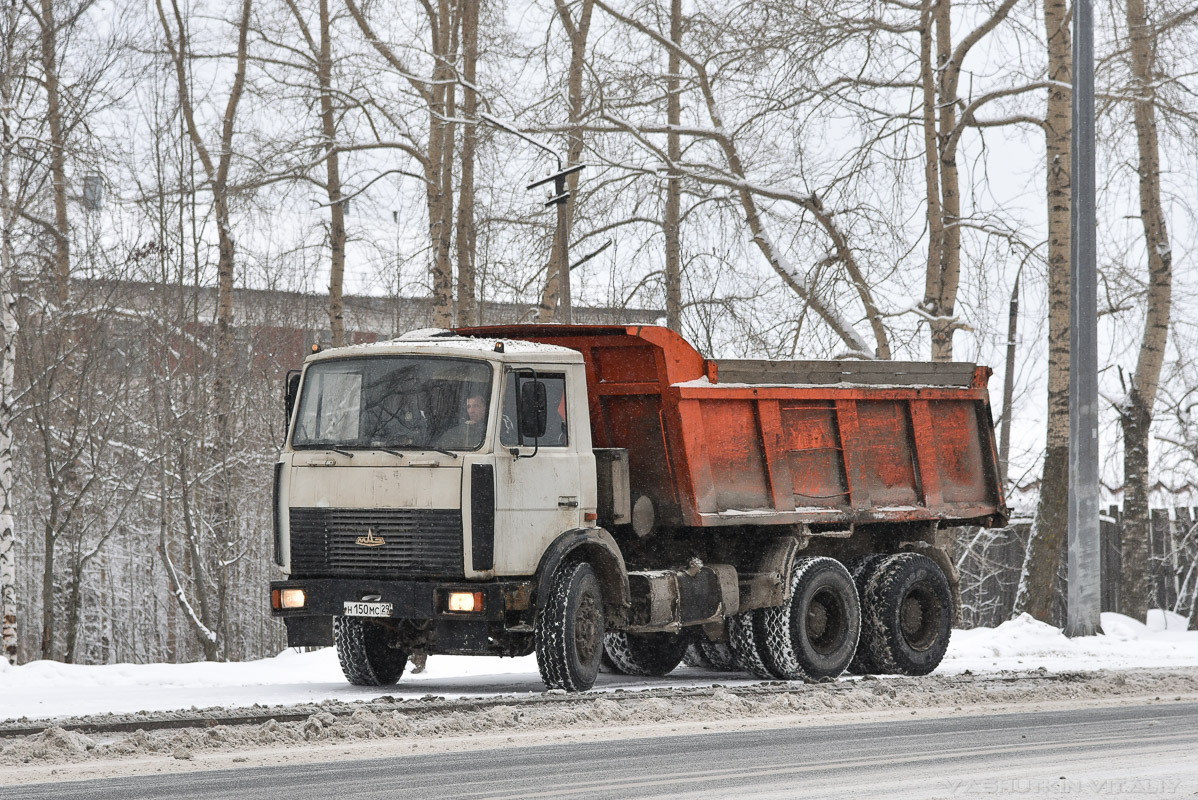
(288, 598)
(465, 602)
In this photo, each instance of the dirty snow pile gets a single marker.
(50, 690)
(413, 725)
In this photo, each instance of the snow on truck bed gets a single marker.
(47, 689)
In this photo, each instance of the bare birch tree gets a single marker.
(733, 175)
(672, 223)
(945, 116)
(14, 54)
(466, 236)
(1037, 589)
(437, 91)
(1136, 411)
(217, 173)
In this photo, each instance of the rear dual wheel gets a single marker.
(812, 636)
(650, 654)
(706, 654)
(908, 615)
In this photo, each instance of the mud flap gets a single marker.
(309, 631)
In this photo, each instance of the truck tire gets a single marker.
(695, 657)
(863, 570)
(569, 629)
(719, 654)
(365, 655)
(813, 635)
(908, 613)
(650, 654)
(745, 642)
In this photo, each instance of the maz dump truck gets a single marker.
(604, 494)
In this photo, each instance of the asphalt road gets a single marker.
(1131, 751)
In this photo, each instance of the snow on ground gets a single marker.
(47, 690)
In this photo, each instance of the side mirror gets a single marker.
(290, 391)
(534, 408)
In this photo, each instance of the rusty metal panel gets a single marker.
(888, 469)
(625, 364)
(634, 422)
(737, 462)
(777, 461)
(923, 430)
(816, 458)
(959, 452)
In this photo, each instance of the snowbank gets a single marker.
(46, 689)
(1025, 643)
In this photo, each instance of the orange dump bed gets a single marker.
(716, 442)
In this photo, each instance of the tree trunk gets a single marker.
(578, 31)
(467, 282)
(328, 125)
(673, 214)
(1037, 587)
(217, 174)
(930, 10)
(1137, 413)
(48, 593)
(74, 609)
(949, 269)
(943, 179)
(1134, 420)
(8, 334)
(440, 155)
(58, 157)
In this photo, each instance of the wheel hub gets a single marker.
(587, 634)
(912, 616)
(825, 620)
(920, 618)
(817, 620)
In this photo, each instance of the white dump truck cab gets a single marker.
(423, 484)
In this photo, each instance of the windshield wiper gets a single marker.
(449, 453)
(388, 450)
(342, 452)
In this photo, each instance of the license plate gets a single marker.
(367, 609)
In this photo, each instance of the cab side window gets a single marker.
(555, 426)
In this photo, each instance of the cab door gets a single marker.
(537, 481)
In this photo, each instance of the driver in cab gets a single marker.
(468, 434)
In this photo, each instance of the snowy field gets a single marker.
(47, 690)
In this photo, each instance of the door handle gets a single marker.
(567, 502)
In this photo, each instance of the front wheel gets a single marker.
(569, 630)
(365, 652)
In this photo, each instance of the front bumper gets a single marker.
(415, 600)
(500, 628)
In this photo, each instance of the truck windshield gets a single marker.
(403, 402)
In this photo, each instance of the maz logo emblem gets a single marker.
(370, 540)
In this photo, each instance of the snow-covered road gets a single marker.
(50, 690)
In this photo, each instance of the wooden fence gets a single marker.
(990, 562)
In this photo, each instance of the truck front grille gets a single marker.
(416, 542)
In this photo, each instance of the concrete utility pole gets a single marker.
(560, 198)
(565, 303)
(1084, 564)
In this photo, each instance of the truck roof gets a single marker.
(430, 341)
